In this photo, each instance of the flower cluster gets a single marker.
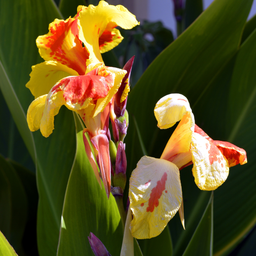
(74, 74)
(155, 189)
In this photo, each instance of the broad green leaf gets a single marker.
(247, 247)
(5, 247)
(16, 109)
(160, 245)
(69, 8)
(88, 209)
(5, 204)
(28, 180)
(249, 28)
(235, 209)
(18, 205)
(202, 241)
(53, 156)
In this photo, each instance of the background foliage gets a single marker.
(212, 63)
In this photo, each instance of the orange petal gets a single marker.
(233, 154)
(178, 147)
(62, 44)
(155, 196)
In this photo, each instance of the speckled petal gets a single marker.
(155, 196)
(170, 109)
(45, 75)
(210, 168)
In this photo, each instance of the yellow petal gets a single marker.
(45, 75)
(170, 109)
(62, 44)
(95, 20)
(53, 104)
(155, 196)
(210, 168)
(178, 147)
(103, 102)
(35, 112)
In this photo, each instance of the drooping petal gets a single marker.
(101, 144)
(97, 27)
(63, 45)
(210, 168)
(155, 196)
(170, 109)
(45, 75)
(233, 154)
(178, 147)
(35, 113)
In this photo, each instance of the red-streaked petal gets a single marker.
(62, 44)
(101, 144)
(202, 133)
(233, 154)
(90, 156)
(155, 196)
(45, 75)
(210, 168)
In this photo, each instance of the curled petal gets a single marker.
(178, 147)
(233, 154)
(98, 27)
(210, 168)
(35, 113)
(62, 44)
(45, 75)
(170, 109)
(155, 196)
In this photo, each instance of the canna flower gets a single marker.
(155, 189)
(73, 73)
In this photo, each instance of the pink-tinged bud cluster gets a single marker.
(178, 9)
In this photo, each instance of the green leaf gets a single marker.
(18, 205)
(202, 241)
(5, 247)
(69, 8)
(249, 28)
(53, 156)
(87, 209)
(236, 200)
(160, 245)
(28, 180)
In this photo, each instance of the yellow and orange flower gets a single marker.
(155, 190)
(73, 73)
